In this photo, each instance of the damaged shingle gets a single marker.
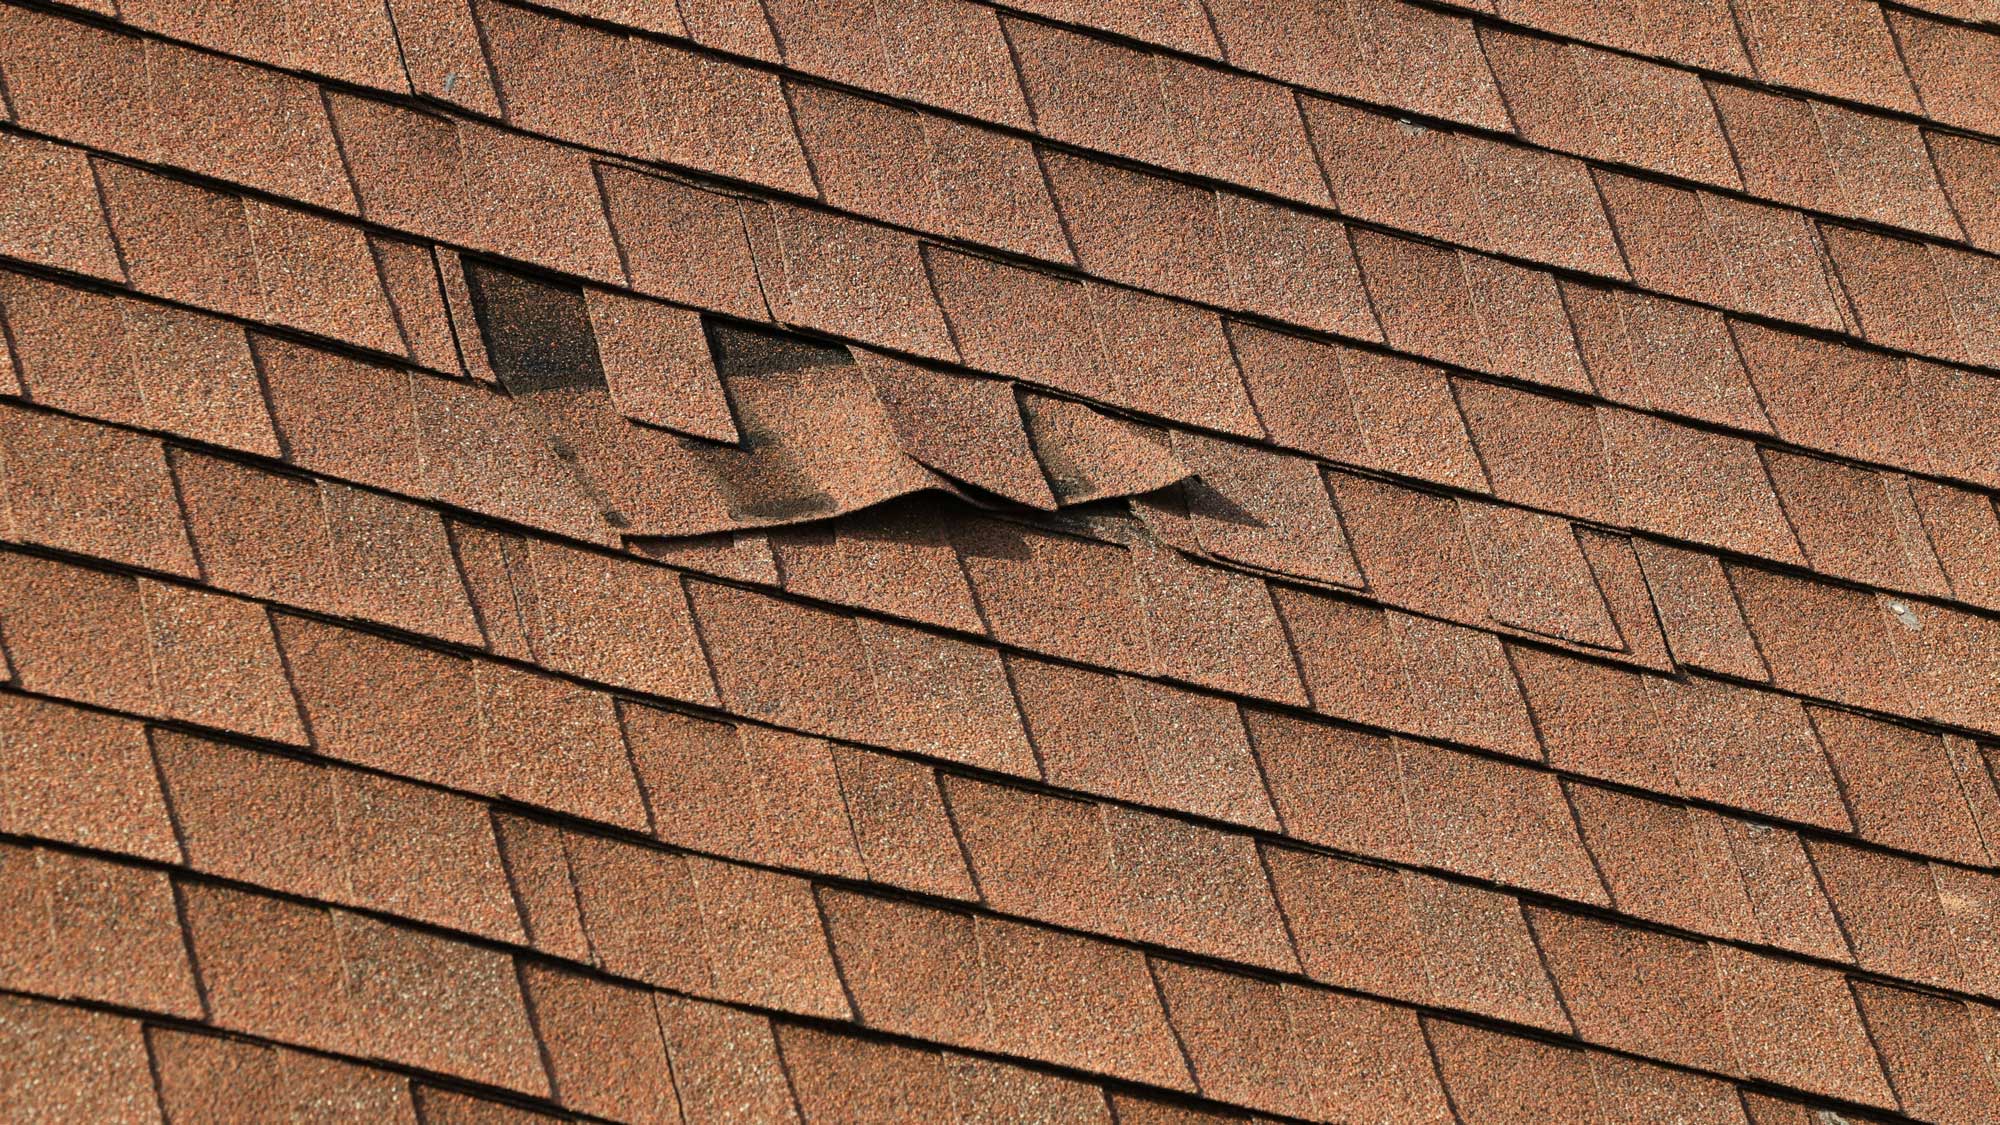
(537, 331)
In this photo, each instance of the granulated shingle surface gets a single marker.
(989, 560)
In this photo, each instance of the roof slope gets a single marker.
(953, 561)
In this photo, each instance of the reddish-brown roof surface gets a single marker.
(1391, 561)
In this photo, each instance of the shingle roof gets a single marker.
(1402, 561)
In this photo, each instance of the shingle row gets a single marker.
(111, 933)
(414, 171)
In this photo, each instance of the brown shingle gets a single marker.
(1296, 41)
(1896, 291)
(1634, 989)
(1333, 785)
(1797, 1024)
(641, 913)
(1890, 911)
(603, 1046)
(1429, 61)
(1071, 597)
(1931, 1052)
(1749, 749)
(1196, 888)
(1236, 1036)
(1847, 522)
(725, 1062)
(1560, 220)
(1828, 641)
(244, 124)
(1969, 169)
(1480, 954)
(81, 778)
(1406, 176)
(901, 826)
(53, 215)
(429, 1002)
(79, 634)
(1698, 611)
(987, 1090)
(1692, 484)
(208, 1077)
(1659, 864)
(869, 1083)
(73, 80)
(424, 855)
(953, 56)
(1140, 229)
(197, 378)
(1339, 645)
(544, 890)
(1191, 607)
(343, 677)
(1946, 61)
(80, 487)
(230, 804)
(682, 243)
(1292, 265)
(1092, 93)
(785, 663)
(1352, 923)
(946, 698)
(1243, 130)
(720, 117)
(1540, 579)
(528, 50)
(270, 968)
(765, 943)
(114, 934)
(1496, 820)
(911, 969)
(1039, 856)
(525, 717)
(1901, 786)
(1367, 1056)
(1458, 685)
(63, 1063)
(1493, 1078)
(397, 565)
(1662, 354)
(862, 152)
(1848, 54)
(852, 278)
(216, 662)
(1300, 392)
(1076, 1002)
(614, 620)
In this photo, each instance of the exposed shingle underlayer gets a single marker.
(1057, 560)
